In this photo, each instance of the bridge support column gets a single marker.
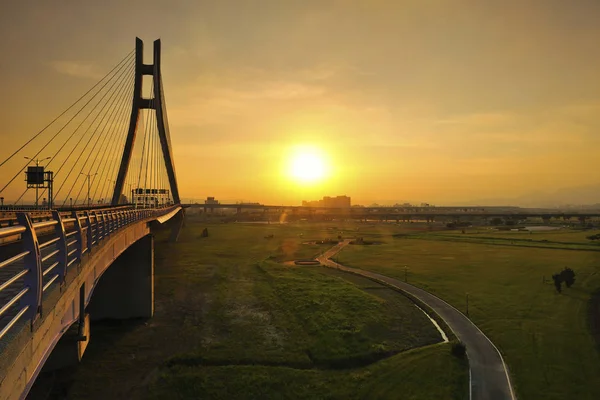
(70, 348)
(177, 226)
(126, 289)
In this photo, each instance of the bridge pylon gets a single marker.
(157, 103)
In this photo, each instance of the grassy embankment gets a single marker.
(233, 323)
(564, 239)
(545, 337)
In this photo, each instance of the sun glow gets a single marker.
(307, 166)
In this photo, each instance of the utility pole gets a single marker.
(88, 176)
(37, 164)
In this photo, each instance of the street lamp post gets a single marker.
(37, 164)
(467, 304)
(88, 176)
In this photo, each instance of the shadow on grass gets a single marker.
(342, 363)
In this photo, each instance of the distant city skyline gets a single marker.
(560, 197)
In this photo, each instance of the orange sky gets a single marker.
(424, 100)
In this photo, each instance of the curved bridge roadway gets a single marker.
(488, 372)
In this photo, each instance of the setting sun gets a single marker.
(307, 166)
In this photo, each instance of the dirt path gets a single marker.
(488, 373)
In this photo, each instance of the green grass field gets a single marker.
(566, 239)
(558, 235)
(231, 322)
(545, 337)
(425, 373)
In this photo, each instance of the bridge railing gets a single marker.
(8, 216)
(46, 252)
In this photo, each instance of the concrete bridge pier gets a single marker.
(177, 224)
(71, 346)
(126, 289)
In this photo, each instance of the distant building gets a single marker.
(329, 202)
(211, 200)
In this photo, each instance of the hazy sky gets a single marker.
(424, 100)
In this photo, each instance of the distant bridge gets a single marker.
(403, 213)
(64, 266)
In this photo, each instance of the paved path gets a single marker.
(489, 377)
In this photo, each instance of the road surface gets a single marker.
(488, 373)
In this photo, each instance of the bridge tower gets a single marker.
(157, 103)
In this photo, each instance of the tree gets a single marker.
(496, 221)
(557, 282)
(568, 276)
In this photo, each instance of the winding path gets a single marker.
(488, 373)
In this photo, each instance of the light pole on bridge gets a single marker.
(88, 176)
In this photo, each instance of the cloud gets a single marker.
(76, 69)
(489, 118)
(227, 101)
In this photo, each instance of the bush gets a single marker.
(459, 350)
(458, 224)
(568, 276)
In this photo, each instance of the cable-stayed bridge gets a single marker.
(80, 199)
